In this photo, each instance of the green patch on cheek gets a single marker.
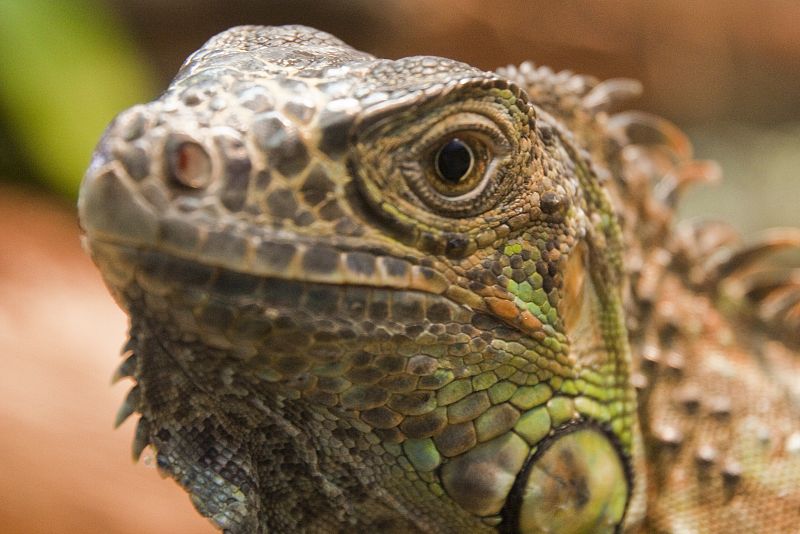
(531, 297)
(422, 454)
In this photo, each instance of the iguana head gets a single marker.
(366, 292)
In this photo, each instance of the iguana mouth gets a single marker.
(229, 308)
(352, 268)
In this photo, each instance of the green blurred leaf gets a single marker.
(66, 69)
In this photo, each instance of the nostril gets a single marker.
(188, 163)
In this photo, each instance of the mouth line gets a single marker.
(251, 314)
(162, 272)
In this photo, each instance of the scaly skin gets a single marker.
(328, 334)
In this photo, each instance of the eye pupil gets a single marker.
(454, 161)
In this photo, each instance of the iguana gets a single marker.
(414, 296)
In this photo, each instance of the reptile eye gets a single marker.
(454, 160)
(458, 165)
(455, 165)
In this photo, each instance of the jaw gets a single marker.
(243, 380)
(251, 313)
(227, 354)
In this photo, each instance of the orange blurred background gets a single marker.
(728, 72)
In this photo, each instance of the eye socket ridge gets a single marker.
(477, 145)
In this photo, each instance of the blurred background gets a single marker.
(727, 72)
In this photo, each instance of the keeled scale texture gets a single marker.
(321, 338)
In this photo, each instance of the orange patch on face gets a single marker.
(504, 309)
(529, 322)
(509, 312)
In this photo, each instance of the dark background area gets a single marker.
(727, 72)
